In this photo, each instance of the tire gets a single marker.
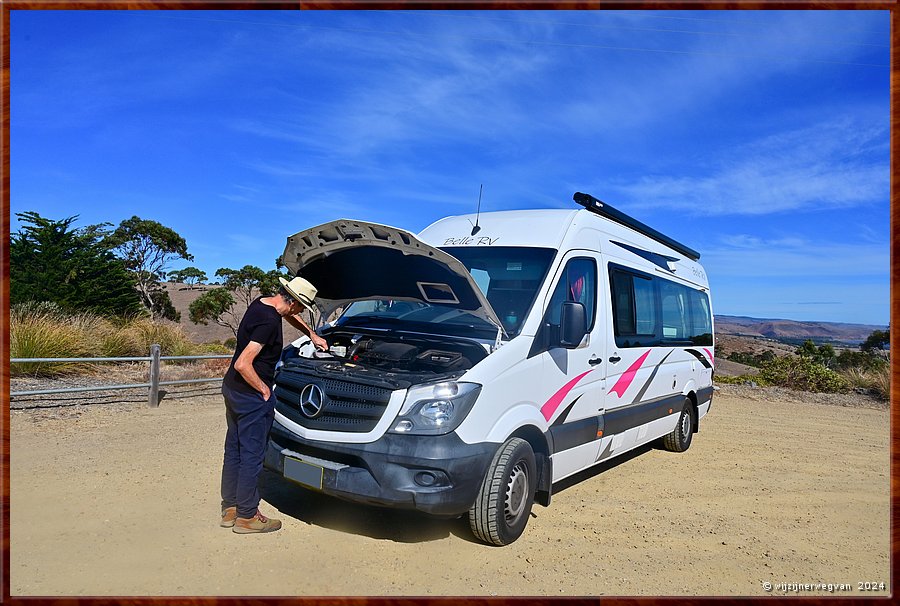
(680, 438)
(501, 511)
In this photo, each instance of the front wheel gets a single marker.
(501, 511)
(680, 438)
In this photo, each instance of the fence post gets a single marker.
(154, 376)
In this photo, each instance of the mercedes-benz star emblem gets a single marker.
(312, 401)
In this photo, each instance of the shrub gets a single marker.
(42, 330)
(741, 380)
(751, 359)
(881, 382)
(877, 381)
(866, 360)
(171, 338)
(802, 374)
(214, 348)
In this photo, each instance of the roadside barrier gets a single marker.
(154, 358)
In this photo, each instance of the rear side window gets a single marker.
(675, 313)
(701, 324)
(649, 310)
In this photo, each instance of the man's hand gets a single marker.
(297, 322)
(320, 343)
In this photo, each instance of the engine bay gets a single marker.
(400, 359)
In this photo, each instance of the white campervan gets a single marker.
(477, 364)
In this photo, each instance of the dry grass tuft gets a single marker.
(877, 381)
(43, 330)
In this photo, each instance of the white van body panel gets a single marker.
(545, 228)
(507, 395)
(571, 461)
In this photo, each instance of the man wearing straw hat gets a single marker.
(249, 403)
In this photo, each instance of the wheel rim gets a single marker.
(685, 425)
(516, 493)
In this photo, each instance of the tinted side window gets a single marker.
(578, 283)
(623, 303)
(701, 321)
(634, 308)
(644, 306)
(675, 315)
(649, 310)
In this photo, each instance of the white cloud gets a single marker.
(840, 164)
(748, 256)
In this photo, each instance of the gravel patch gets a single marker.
(854, 399)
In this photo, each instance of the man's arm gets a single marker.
(244, 365)
(298, 323)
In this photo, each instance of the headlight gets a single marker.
(435, 408)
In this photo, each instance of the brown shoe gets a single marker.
(258, 523)
(229, 515)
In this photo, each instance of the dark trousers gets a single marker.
(249, 421)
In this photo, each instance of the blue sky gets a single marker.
(759, 138)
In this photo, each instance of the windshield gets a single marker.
(509, 276)
(416, 316)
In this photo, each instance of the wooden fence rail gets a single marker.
(154, 358)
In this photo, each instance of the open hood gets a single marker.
(354, 260)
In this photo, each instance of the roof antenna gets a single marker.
(475, 227)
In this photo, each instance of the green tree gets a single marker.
(866, 360)
(162, 303)
(224, 306)
(217, 306)
(878, 340)
(189, 276)
(807, 350)
(823, 354)
(249, 282)
(52, 261)
(147, 247)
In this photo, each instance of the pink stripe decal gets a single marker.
(712, 360)
(556, 399)
(627, 377)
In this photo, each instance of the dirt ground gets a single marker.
(123, 500)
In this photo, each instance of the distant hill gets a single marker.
(793, 331)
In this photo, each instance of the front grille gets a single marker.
(349, 406)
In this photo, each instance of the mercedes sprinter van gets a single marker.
(473, 366)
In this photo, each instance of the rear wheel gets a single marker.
(680, 438)
(501, 511)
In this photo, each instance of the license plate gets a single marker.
(303, 472)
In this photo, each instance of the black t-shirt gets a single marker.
(262, 324)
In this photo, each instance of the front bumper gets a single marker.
(439, 475)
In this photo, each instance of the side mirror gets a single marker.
(572, 324)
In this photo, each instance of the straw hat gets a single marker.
(302, 290)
